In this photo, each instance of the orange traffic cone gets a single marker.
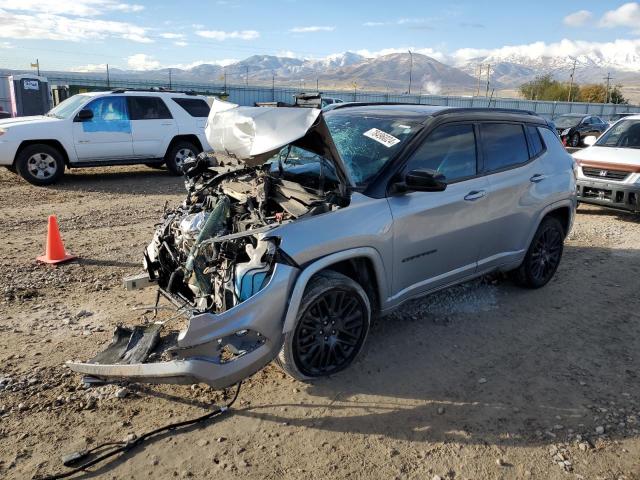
(55, 249)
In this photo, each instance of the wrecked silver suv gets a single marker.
(304, 225)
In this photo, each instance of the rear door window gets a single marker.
(196, 107)
(449, 150)
(148, 108)
(505, 146)
(535, 141)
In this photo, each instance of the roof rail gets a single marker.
(153, 89)
(445, 109)
(485, 109)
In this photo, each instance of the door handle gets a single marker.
(474, 195)
(167, 123)
(538, 177)
(83, 141)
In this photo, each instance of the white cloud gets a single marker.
(578, 19)
(172, 36)
(187, 66)
(92, 67)
(141, 61)
(76, 8)
(313, 28)
(287, 54)
(627, 15)
(180, 43)
(222, 35)
(373, 24)
(46, 26)
(429, 52)
(623, 53)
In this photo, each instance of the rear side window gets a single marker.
(148, 108)
(196, 107)
(449, 150)
(504, 145)
(535, 142)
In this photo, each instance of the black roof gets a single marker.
(421, 112)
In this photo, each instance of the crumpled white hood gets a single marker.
(247, 132)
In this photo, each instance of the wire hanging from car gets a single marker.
(81, 460)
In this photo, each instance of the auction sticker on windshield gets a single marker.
(382, 137)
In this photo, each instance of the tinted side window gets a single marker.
(597, 120)
(535, 142)
(504, 145)
(449, 150)
(148, 108)
(196, 107)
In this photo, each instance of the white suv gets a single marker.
(119, 127)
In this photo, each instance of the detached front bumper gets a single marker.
(218, 350)
(613, 195)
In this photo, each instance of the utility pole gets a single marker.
(317, 85)
(573, 71)
(37, 66)
(608, 78)
(479, 75)
(273, 86)
(247, 82)
(488, 79)
(108, 79)
(170, 85)
(410, 69)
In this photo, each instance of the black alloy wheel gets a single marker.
(544, 254)
(330, 333)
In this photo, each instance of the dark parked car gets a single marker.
(573, 127)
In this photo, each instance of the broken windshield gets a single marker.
(368, 143)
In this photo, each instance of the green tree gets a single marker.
(615, 96)
(545, 87)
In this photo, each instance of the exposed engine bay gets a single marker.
(214, 251)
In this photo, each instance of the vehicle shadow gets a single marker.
(133, 180)
(594, 210)
(535, 368)
(485, 363)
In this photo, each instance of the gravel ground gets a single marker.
(483, 380)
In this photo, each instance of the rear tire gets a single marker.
(331, 328)
(40, 164)
(543, 256)
(178, 153)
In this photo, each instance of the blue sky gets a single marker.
(143, 34)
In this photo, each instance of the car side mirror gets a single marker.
(422, 180)
(84, 115)
(590, 140)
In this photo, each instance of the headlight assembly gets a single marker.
(2, 131)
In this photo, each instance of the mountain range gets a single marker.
(391, 72)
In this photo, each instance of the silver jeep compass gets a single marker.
(304, 225)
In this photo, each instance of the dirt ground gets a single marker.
(481, 381)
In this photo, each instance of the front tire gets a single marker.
(574, 141)
(177, 155)
(543, 256)
(331, 327)
(40, 164)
